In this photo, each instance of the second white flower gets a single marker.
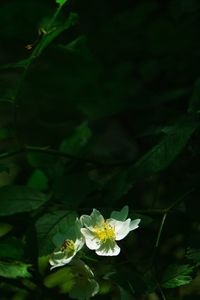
(101, 235)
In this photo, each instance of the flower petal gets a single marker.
(59, 259)
(92, 242)
(58, 255)
(120, 215)
(85, 220)
(121, 228)
(95, 219)
(134, 224)
(109, 248)
(79, 244)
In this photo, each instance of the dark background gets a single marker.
(106, 115)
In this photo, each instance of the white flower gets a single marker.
(65, 254)
(100, 234)
(122, 215)
(73, 242)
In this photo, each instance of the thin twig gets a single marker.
(165, 213)
(156, 211)
(56, 153)
(160, 290)
(179, 200)
(160, 230)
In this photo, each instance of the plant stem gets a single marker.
(158, 284)
(31, 149)
(160, 230)
(179, 200)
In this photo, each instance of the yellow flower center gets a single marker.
(68, 247)
(105, 232)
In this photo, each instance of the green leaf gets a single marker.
(51, 230)
(5, 228)
(50, 35)
(18, 199)
(43, 264)
(61, 2)
(62, 278)
(74, 143)
(164, 153)
(194, 255)
(11, 248)
(155, 160)
(177, 275)
(14, 270)
(38, 180)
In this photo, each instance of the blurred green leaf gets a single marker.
(5, 228)
(194, 255)
(63, 278)
(14, 270)
(38, 180)
(50, 35)
(51, 230)
(61, 2)
(17, 199)
(155, 160)
(11, 248)
(164, 153)
(78, 139)
(43, 264)
(177, 275)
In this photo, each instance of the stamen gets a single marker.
(105, 232)
(68, 248)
